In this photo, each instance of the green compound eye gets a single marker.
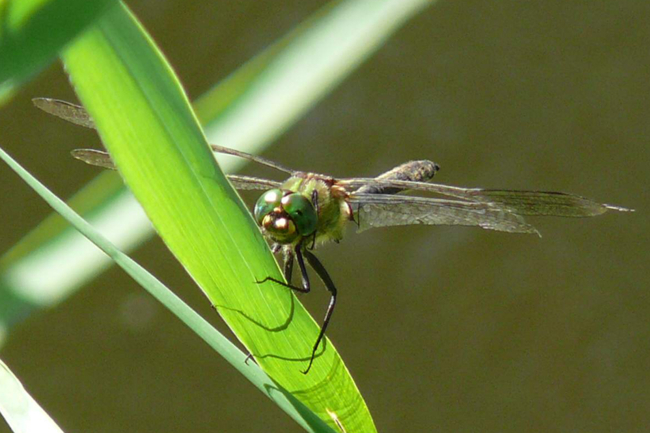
(266, 203)
(301, 212)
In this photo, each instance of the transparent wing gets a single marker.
(254, 158)
(103, 159)
(66, 111)
(542, 203)
(94, 157)
(379, 210)
(252, 183)
(79, 116)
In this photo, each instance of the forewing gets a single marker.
(544, 203)
(252, 183)
(94, 157)
(79, 116)
(103, 159)
(248, 156)
(541, 203)
(66, 111)
(378, 210)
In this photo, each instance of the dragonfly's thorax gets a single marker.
(327, 199)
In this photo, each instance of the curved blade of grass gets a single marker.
(146, 123)
(9, 397)
(20, 410)
(344, 32)
(300, 69)
(32, 32)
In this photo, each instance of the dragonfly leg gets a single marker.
(288, 266)
(288, 270)
(329, 284)
(314, 201)
(249, 357)
(306, 287)
(298, 253)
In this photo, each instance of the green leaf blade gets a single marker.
(147, 124)
(32, 32)
(227, 110)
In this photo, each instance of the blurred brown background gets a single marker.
(445, 329)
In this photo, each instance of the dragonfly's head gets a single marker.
(285, 216)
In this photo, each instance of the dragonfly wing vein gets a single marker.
(540, 203)
(383, 211)
(66, 111)
(545, 203)
(252, 183)
(103, 159)
(94, 157)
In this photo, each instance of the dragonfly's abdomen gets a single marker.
(413, 171)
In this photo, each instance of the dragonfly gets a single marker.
(309, 209)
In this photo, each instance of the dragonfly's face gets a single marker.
(285, 216)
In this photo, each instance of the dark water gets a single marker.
(444, 329)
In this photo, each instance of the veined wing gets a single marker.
(541, 203)
(103, 159)
(380, 210)
(252, 183)
(98, 158)
(65, 110)
(79, 116)
(254, 158)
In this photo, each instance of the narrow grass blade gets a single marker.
(22, 413)
(301, 69)
(202, 328)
